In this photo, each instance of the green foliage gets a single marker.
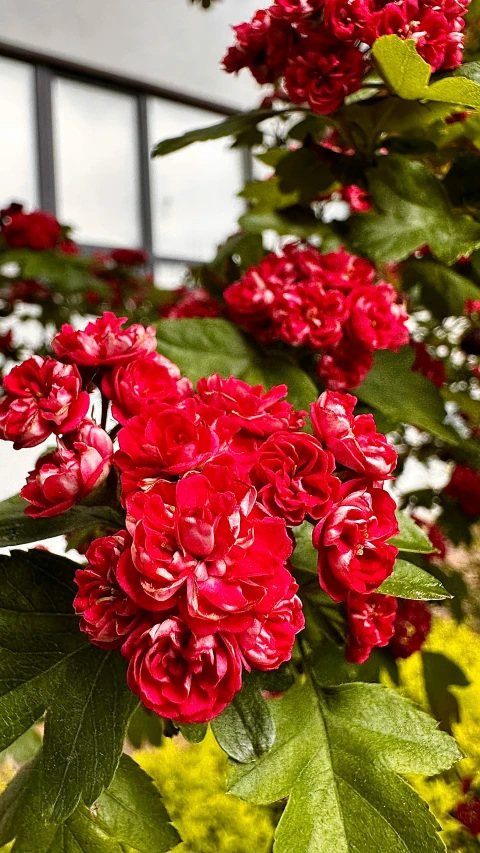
(129, 812)
(445, 679)
(46, 664)
(16, 528)
(245, 729)
(408, 75)
(192, 780)
(336, 756)
(442, 290)
(408, 397)
(410, 536)
(230, 126)
(411, 210)
(409, 581)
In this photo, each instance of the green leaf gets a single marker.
(410, 398)
(276, 370)
(68, 273)
(16, 528)
(408, 75)
(204, 346)
(443, 291)
(305, 172)
(129, 812)
(144, 727)
(410, 581)
(411, 537)
(85, 729)
(267, 195)
(411, 210)
(46, 664)
(403, 70)
(194, 732)
(304, 557)
(245, 729)
(297, 221)
(470, 70)
(440, 673)
(230, 126)
(336, 756)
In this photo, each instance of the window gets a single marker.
(96, 156)
(183, 226)
(18, 168)
(77, 143)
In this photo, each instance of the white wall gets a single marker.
(165, 42)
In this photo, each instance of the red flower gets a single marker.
(412, 625)
(104, 342)
(308, 315)
(142, 383)
(38, 230)
(354, 441)
(358, 198)
(129, 257)
(293, 476)
(323, 71)
(269, 640)
(107, 613)
(377, 318)
(164, 441)
(346, 19)
(472, 306)
(181, 676)
(295, 10)
(192, 303)
(468, 813)
(60, 479)
(370, 623)
(464, 487)
(240, 406)
(345, 366)
(206, 537)
(352, 542)
(262, 45)
(431, 368)
(43, 397)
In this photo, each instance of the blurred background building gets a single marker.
(87, 87)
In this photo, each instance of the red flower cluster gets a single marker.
(38, 230)
(412, 625)
(329, 303)
(197, 587)
(464, 487)
(316, 48)
(192, 303)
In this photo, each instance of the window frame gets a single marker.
(47, 68)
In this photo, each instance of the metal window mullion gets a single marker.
(45, 151)
(144, 174)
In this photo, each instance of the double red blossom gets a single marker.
(60, 479)
(108, 614)
(412, 626)
(464, 487)
(352, 541)
(315, 49)
(103, 342)
(198, 588)
(43, 396)
(328, 303)
(371, 624)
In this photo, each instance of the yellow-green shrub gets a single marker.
(192, 779)
(461, 645)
